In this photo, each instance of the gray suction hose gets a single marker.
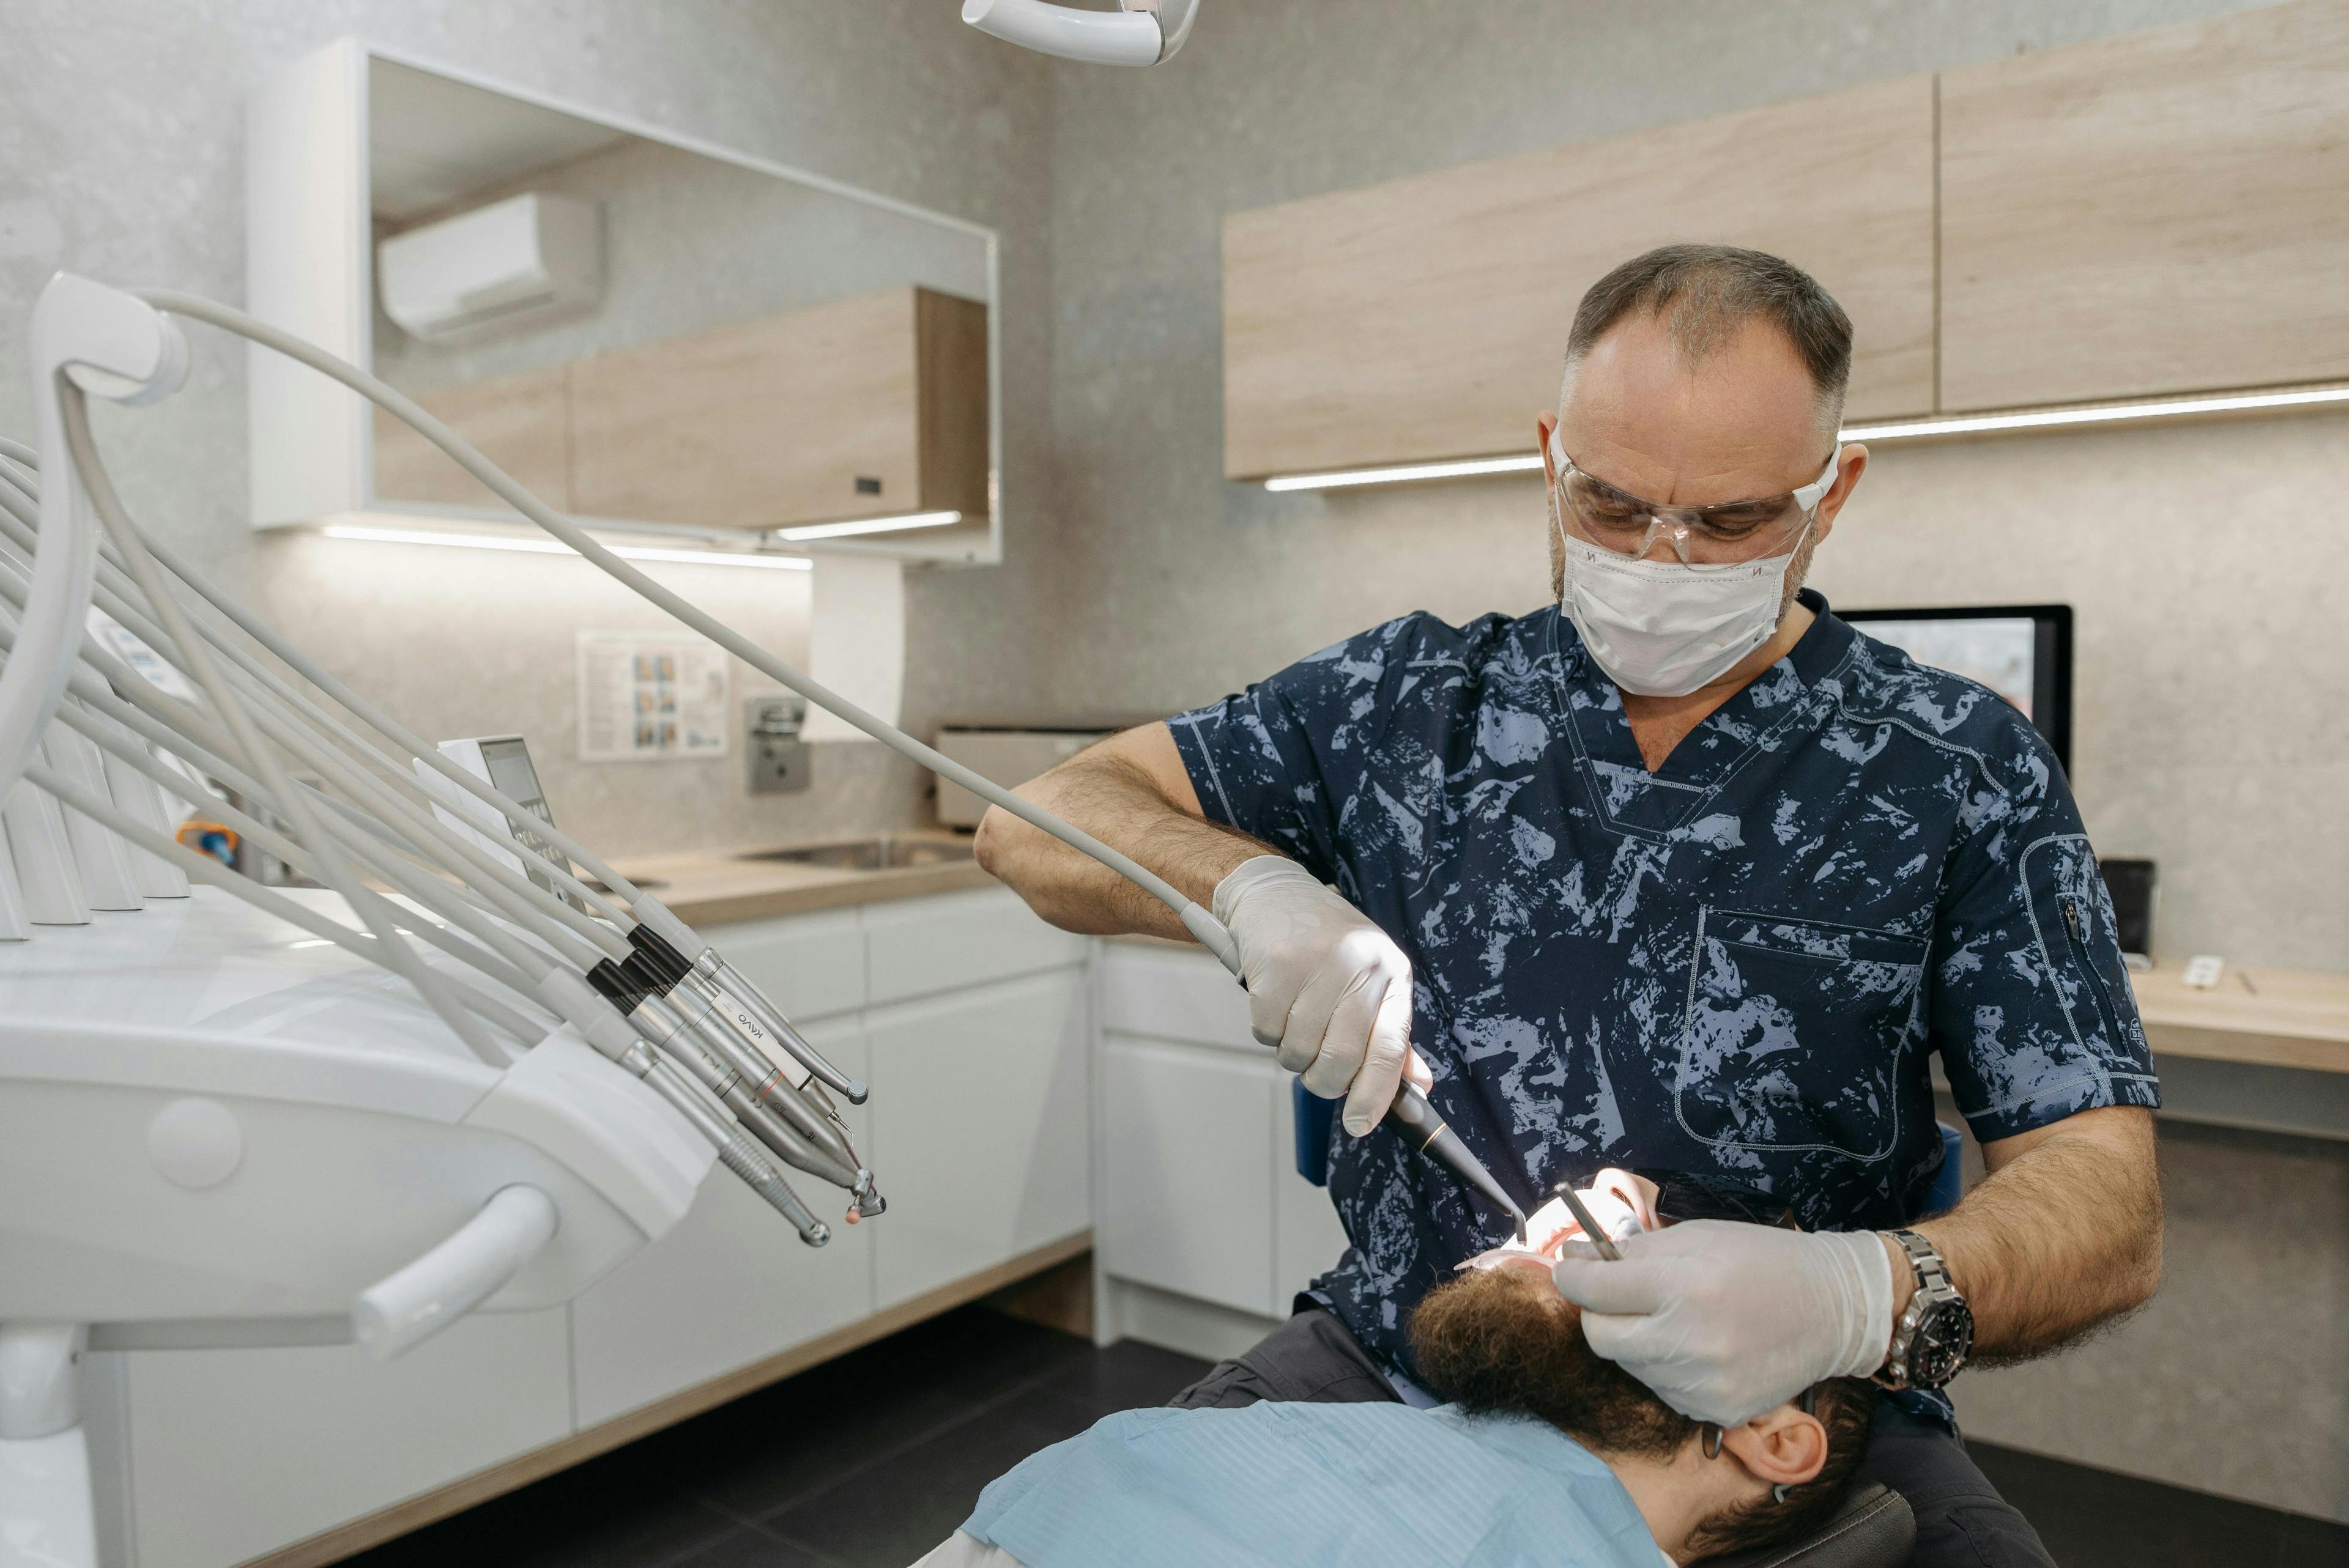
(1411, 1115)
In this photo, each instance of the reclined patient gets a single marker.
(1546, 1453)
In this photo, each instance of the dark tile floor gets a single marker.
(871, 1461)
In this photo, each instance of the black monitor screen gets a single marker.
(2023, 652)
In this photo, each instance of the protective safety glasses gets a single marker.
(1724, 533)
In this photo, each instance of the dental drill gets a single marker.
(628, 972)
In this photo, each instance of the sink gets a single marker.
(885, 851)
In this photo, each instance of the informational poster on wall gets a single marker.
(651, 696)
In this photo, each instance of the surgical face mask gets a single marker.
(1662, 628)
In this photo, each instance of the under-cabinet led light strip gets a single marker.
(1903, 430)
(551, 547)
(806, 532)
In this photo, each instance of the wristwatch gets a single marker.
(1936, 1329)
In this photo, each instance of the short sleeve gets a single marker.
(1280, 760)
(2031, 1008)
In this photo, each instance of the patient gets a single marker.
(1546, 1453)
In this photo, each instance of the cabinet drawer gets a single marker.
(1188, 1143)
(981, 1138)
(922, 947)
(810, 966)
(732, 1283)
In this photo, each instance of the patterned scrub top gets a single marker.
(1737, 964)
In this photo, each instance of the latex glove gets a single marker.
(1325, 984)
(1726, 1320)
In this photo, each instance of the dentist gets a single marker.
(1682, 873)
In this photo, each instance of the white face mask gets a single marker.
(1663, 629)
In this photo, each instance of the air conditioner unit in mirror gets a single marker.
(512, 261)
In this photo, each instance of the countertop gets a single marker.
(2276, 1017)
(712, 887)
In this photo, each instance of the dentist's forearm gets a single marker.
(1122, 804)
(2064, 1233)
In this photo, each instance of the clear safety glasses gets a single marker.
(1723, 534)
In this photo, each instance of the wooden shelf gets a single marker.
(2274, 1017)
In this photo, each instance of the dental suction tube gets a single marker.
(1142, 33)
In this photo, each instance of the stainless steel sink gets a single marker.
(885, 851)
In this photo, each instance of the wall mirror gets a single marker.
(657, 337)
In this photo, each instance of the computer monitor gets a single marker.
(2023, 652)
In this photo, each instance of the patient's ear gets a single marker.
(1779, 1445)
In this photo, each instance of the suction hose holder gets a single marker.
(86, 337)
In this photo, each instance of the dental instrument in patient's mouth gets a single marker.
(1591, 1230)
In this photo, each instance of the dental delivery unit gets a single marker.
(462, 1133)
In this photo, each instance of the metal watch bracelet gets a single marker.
(1937, 1298)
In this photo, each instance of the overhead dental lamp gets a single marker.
(1138, 33)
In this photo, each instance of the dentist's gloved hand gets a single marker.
(1726, 1320)
(1324, 984)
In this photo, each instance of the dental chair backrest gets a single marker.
(1873, 1529)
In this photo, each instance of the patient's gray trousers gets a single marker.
(1962, 1522)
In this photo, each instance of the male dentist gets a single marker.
(1682, 873)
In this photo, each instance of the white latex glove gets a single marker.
(1325, 984)
(1726, 1320)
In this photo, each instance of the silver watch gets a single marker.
(1936, 1329)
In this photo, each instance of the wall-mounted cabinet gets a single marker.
(2166, 211)
(754, 348)
(865, 406)
(2161, 212)
(1422, 318)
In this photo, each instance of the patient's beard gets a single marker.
(1503, 1339)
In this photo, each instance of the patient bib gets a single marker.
(1298, 1485)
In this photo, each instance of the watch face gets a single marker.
(1943, 1341)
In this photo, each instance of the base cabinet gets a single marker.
(1199, 1195)
(968, 1015)
(732, 1285)
(984, 1143)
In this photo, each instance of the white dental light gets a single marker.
(1139, 33)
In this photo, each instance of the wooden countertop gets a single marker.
(2275, 1018)
(711, 887)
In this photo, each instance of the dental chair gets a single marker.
(1874, 1529)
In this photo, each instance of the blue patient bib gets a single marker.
(1296, 1485)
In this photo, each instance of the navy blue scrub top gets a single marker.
(1738, 963)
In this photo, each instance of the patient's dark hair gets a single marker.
(1500, 1341)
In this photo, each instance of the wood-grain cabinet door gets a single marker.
(981, 1131)
(2159, 212)
(1423, 318)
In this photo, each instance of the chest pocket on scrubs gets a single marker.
(1794, 1032)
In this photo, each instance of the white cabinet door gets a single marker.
(981, 1136)
(810, 966)
(1188, 1143)
(732, 1283)
(234, 1453)
(922, 947)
